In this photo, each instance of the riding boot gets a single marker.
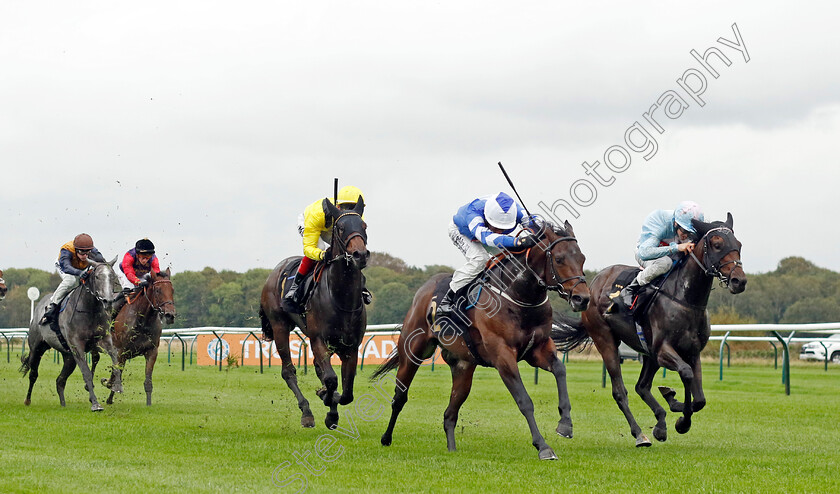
(49, 314)
(292, 299)
(628, 293)
(444, 308)
(119, 301)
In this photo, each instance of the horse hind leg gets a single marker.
(61, 380)
(462, 376)
(413, 349)
(32, 362)
(289, 373)
(151, 358)
(643, 386)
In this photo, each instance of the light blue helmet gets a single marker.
(685, 212)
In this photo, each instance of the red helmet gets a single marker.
(83, 241)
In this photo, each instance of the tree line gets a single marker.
(797, 291)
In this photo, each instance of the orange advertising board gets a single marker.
(375, 349)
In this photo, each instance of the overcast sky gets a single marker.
(208, 126)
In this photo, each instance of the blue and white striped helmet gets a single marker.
(500, 211)
(685, 212)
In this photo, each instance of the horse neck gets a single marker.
(520, 277)
(141, 305)
(343, 281)
(693, 285)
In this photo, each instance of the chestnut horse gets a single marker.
(138, 325)
(675, 326)
(509, 320)
(335, 316)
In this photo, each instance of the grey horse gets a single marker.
(84, 324)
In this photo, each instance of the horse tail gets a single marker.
(392, 363)
(569, 333)
(24, 363)
(268, 333)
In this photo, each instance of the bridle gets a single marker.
(711, 265)
(89, 283)
(158, 308)
(342, 254)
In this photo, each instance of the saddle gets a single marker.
(309, 283)
(457, 323)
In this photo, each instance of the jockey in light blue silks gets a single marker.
(664, 233)
(479, 227)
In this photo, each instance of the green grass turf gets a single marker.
(211, 431)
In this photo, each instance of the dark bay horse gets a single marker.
(138, 325)
(84, 325)
(510, 320)
(675, 326)
(3, 288)
(335, 317)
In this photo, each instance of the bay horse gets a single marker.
(335, 316)
(675, 326)
(3, 288)
(509, 320)
(84, 325)
(138, 326)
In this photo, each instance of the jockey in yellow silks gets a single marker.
(317, 234)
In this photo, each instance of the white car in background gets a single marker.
(815, 351)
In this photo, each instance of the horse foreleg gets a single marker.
(116, 364)
(643, 385)
(509, 372)
(151, 358)
(546, 358)
(79, 357)
(66, 370)
(348, 376)
(669, 359)
(109, 383)
(462, 376)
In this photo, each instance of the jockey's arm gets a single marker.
(65, 263)
(96, 255)
(127, 267)
(155, 264)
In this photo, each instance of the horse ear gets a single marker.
(728, 220)
(360, 206)
(569, 229)
(113, 262)
(701, 227)
(168, 272)
(330, 209)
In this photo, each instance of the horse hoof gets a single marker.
(642, 441)
(105, 383)
(660, 433)
(332, 420)
(307, 422)
(26, 402)
(96, 408)
(564, 430)
(683, 425)
(547, 454)
(385, 440)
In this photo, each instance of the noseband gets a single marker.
(342, 255)
(710, 266)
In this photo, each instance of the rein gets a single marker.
(156, 308)
(558, 284)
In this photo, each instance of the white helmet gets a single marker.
(500, 211)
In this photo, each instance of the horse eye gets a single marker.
(559, 259)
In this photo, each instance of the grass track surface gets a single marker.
(211, 431)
